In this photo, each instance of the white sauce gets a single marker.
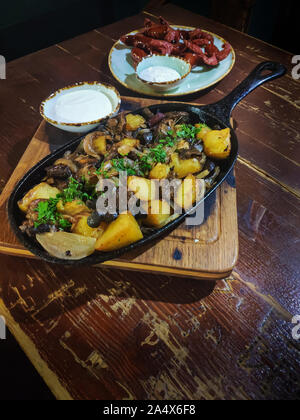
(83, 105)
(159, 74)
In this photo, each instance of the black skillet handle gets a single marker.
(222, 109)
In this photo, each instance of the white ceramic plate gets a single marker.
(200, 78)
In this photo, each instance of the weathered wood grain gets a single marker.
(115, 334)
(155, 334)
(269, 227)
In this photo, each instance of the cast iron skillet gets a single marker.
(217, 114)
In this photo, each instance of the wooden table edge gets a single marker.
(131, 266)
(28, 346)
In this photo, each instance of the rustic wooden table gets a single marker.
(112, 334)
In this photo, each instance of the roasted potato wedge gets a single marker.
(126, 145)
(40, 191)
(186, 193)
(159, 211)
(190, 191)
(81, 227)
(143, 188)
(121, 232)
(72, 208)
(204, 130)
(184, 167)
(133, 122)
(160, 171)
(217, 143)
(99, 145)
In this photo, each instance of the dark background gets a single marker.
(29, 25)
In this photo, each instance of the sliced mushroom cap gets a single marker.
(59, 171)
(96, 218)
(145, 135)
(67, 162)
(178, 116)
(94, 144)
(117, 125)
(196, 150)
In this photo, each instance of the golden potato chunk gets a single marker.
(143, 188)
(121, 232)
(190, 192)
(72, 208)
(133, 122)
(126, 145)
(81, 227)
(184, 167)
(160, 171)
(204, 130)
(99, 145)
(217, 143)
(40, 191)
(186, 193)
(129, 142)
(158, 213)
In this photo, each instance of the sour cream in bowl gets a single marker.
(81, 107)
(162, 72)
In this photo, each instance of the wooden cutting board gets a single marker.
(208, 251)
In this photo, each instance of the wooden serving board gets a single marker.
(208, 251)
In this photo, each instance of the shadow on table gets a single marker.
(35, 290)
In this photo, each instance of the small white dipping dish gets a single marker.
(166, 72)
(79, 108)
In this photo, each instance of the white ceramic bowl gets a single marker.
(47, 107)
(182, 66)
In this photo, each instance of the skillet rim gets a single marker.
(100, 257)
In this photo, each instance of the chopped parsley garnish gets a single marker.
(158, 154)
(189, 131)
(121, 166)
(48, 214)
(100, 171)
(145, 164)
(47, 210)
(64, 223)
(155, 155)
(74, 191)
(169, 142)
